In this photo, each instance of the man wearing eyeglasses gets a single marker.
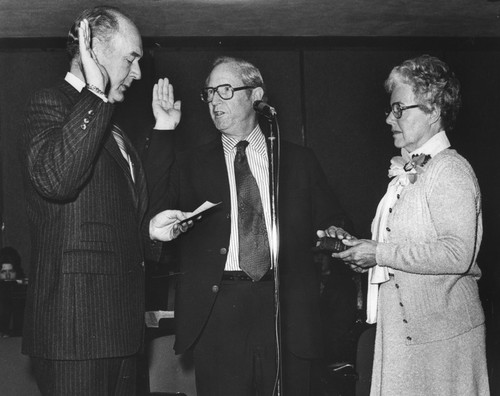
(225, 294)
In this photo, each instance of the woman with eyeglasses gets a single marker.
(421, 261)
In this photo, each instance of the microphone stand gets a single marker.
(274, 162)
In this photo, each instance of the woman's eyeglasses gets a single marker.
(397, 109)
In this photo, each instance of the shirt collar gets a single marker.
(74, 81)
(256, 141)
(433, 146)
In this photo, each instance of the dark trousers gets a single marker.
(96, 377)
(236, 352)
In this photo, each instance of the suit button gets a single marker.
(90, 112)
(408, 338)
(141, 264)
(223, 251)
(215, 289)
(83, 126)
(86, 120)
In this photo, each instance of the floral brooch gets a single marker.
(408, 168)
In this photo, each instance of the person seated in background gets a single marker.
(12, 292)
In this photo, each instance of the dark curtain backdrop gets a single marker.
(330, 98)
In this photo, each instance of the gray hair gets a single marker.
(434, 86)
(104, 21)
(249, 73)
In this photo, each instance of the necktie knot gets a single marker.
(241, 147)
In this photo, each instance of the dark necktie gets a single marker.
(254, 245)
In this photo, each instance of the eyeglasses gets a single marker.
(225, 91)
(397, 109)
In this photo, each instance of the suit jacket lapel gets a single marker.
(110, 144)
(139, 188)
(215, 172)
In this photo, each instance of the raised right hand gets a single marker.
(166, 110)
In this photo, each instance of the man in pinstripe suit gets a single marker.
(87, 206)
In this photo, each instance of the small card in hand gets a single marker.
(198, 211)
(329, 244)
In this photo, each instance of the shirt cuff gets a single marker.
(97, 92)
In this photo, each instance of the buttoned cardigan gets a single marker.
(434, 234)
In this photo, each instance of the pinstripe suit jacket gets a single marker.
(306, 205)
(86, 293)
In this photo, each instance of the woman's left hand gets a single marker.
(361, 254)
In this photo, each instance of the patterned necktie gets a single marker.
(254, 245)
(117, 134)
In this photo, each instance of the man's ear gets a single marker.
(96, 45)
(257, 94)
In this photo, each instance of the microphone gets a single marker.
(264, 109)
